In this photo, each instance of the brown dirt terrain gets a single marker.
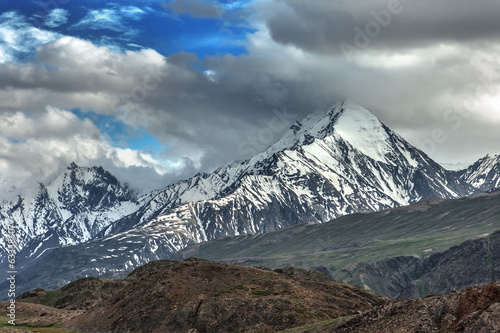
(472, 310)
(36, 315)
(203, 296)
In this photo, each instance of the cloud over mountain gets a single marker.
(430, 72)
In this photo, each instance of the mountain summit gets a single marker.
(326, 165)
(350, 121)
(354, 124)
(72, 209)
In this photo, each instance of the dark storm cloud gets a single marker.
(210, 118)
(217, 116)
(320, 26)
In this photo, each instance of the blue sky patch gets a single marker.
(126, 25)
(120, 134)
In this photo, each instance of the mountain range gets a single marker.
(328, 165)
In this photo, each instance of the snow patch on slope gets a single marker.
(364, 132)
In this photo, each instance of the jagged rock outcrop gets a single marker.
(475, 309)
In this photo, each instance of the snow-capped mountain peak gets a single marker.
(353, 123)
(76, 206)
(316, 125)
(484, 174)
(326, 165)
(87, 188)
(364, 132)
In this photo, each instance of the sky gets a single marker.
(156, 91)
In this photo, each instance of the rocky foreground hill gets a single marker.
(203, 296)
(474, 310)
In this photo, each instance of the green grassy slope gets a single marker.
(346, 243)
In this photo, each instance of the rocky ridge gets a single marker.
(475, 309)
(203, 296)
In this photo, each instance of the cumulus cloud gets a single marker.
(38, 148)
(74, 73)
(209, 111)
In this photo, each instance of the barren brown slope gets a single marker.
(472, 310)
(204, 296)
(35, 318)
(81, 294)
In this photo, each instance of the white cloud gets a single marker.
(38, 148)
(114, 19)
(102, 19)
(19, 39)
(52, 123)
(56, 18)
(73, 73)
(132, 12)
